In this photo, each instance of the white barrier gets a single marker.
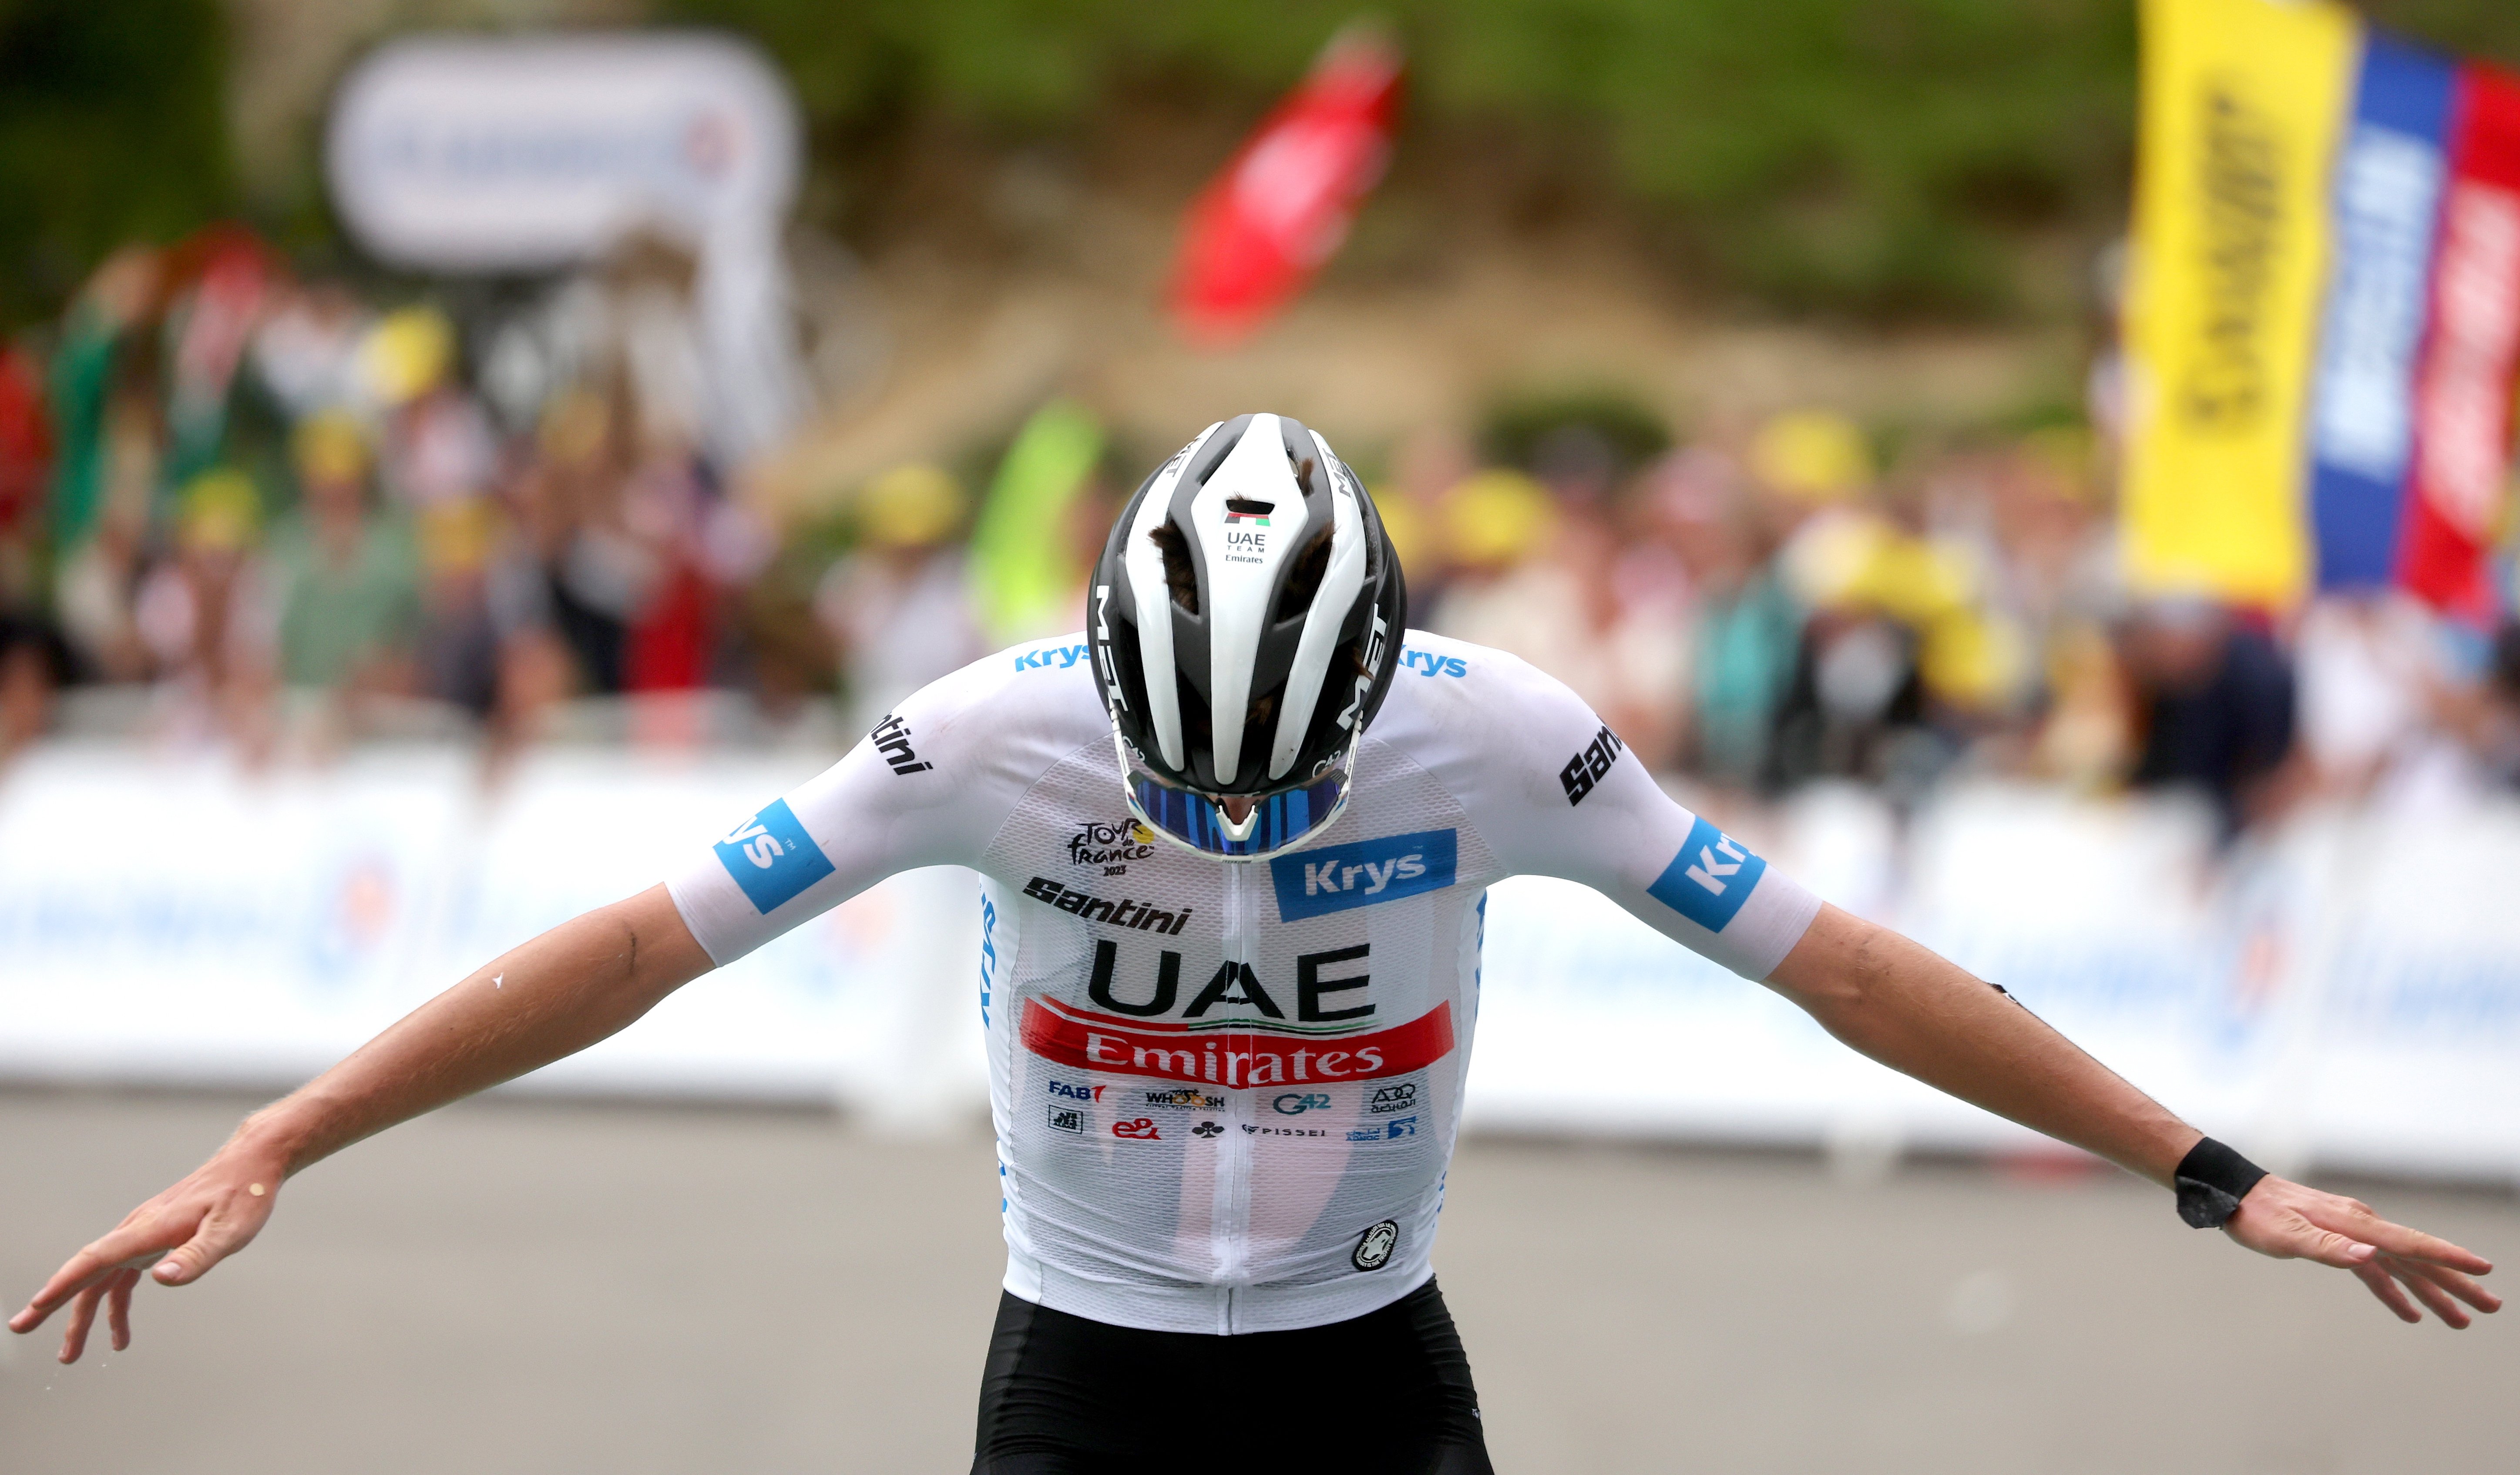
(2349, 994)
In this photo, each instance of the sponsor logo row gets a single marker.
(1145, 1129)
(1380, 1100)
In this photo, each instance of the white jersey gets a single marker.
(1226, 1093)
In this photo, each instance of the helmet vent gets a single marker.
(1246, 507)
(1180, 576)
(1304, 579)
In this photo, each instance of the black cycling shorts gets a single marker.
(1387, 1394)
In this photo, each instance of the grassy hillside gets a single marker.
(1874, 159)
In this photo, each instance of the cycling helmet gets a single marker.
(1245, 624)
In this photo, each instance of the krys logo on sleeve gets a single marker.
(1710, 879)
(772, 858)
(1337, 878)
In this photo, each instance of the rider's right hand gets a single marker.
(214, 1212)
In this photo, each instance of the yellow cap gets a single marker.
(219, 510)
(1973, 659)
(1496, 516)
(1811, 455)
(915, 505)
(1405, 523)
(457, 533)
(407, 354)
(329, 446)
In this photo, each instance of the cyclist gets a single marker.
(1234, 840)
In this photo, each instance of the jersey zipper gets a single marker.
(1233, 1208)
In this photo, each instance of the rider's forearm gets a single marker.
(554, 996)
(1919, 1013)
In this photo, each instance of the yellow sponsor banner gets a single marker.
(2243, 103)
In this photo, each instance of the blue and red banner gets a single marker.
(2325, 321)
(2410, 405)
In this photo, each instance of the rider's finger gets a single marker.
(82, 1316)
(2386, 1289)
(2359, 1222)
(2327, 1247)
(2456, 1283)
(136, 1241)
(2436, 1301)
(117, 1306)
(80, 1271)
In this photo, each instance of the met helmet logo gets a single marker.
(772, 858)
(1710, 879)
(1338, 877)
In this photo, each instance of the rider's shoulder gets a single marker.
(1438, 666)
(1448, 691)
(1040, 684)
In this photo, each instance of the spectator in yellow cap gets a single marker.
(1812, 456)
(347, 578)
(203, 615)
(898, 607)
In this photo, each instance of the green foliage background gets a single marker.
(1874, 159)
(1878, 159)
(111, 129)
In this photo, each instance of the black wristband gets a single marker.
(2211, 1180)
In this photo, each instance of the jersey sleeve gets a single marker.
(1559, 794)
(932, 785)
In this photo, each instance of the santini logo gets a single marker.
(891, 738)
(1337, 878)
(1127, 914)
(1586, 768)
(772, 858)
(1710, 879)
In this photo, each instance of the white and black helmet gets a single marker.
(1245, 623)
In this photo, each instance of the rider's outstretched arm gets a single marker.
(1552, 789)
(563, 991)
(1919, 1013)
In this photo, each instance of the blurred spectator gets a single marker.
(595, 577)
(206, 617)
(1748, 627)
(307, 350)
(2492, 724)
(666, 644)
(2385, 716)
(33, 668)
(502, 512)
(118, 298)
(346, 574)
(1430, 462)
(898, 607)
(456, 644)
(1502, 593)
(25, 458)
(2215, 703)
(222, 278)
